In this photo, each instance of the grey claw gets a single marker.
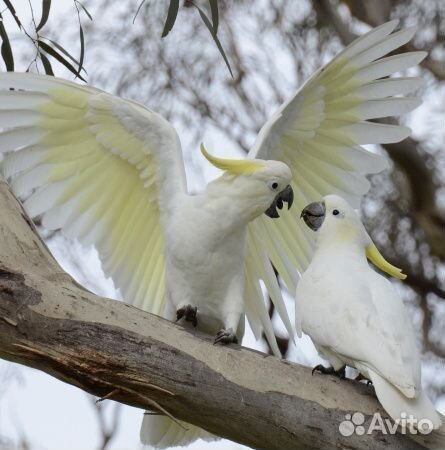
(225, 337)
(324, 370)
(360, 377)
(341, 373)
(189, 312)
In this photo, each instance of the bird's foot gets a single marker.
(341, 373)
(360, 377)
(189, 312)
(225, 337)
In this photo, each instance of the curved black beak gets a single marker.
(286, 195)
(313, 215)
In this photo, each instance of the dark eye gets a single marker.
(274, 185)
(336, 212)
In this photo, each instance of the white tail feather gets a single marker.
(434, 440)
(397, 404)
(161, 432)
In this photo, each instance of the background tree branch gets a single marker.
(111, 349)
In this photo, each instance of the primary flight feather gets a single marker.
(109, 172)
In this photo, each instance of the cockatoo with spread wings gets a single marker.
(109, 172)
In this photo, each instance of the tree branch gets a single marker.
(109, 348)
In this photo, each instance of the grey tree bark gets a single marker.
(113, 350)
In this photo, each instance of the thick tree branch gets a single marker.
(109, 348)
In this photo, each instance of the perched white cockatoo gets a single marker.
(109, 172)
(355, 316)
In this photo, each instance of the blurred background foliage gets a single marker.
(270, 47)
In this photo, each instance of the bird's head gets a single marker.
(261, 186)
(335, 220)
(333, 217)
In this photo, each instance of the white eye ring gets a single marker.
(274, 185)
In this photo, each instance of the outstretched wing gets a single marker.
(99, 168)
(319, 133)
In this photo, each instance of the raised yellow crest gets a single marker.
(235, 166)
(377, 259)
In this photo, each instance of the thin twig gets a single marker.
(109, 395)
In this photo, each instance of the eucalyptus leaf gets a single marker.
(46, 6)
(82, 49)
(65, 52)
(171, 17)
(12, 11)
(209, 26)
(85, 10)
(46, 64)
(6, 50)
(215, 14)
(58, 57)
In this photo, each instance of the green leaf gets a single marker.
(85, 10)
(82, 50)
(52, 52)
(62, 50)
(12, 11)
(6, 50)
(46, 64)
(171, 17)
(215, 14)
(209, 26)
(46, 6)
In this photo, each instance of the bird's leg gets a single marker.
(232, 310)
(226, 337)
(340, 373)
(360, 377)
(189, 313)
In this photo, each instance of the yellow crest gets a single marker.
(235, 166)
(377, 259)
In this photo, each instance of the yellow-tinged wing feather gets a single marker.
(319, 133)
(97, 167)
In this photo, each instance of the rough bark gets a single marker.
(111, 349)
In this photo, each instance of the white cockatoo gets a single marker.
(355, 316)
(109, 172)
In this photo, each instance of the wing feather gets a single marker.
(319, 133)
(99, 168)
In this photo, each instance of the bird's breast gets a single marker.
(201, 265)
